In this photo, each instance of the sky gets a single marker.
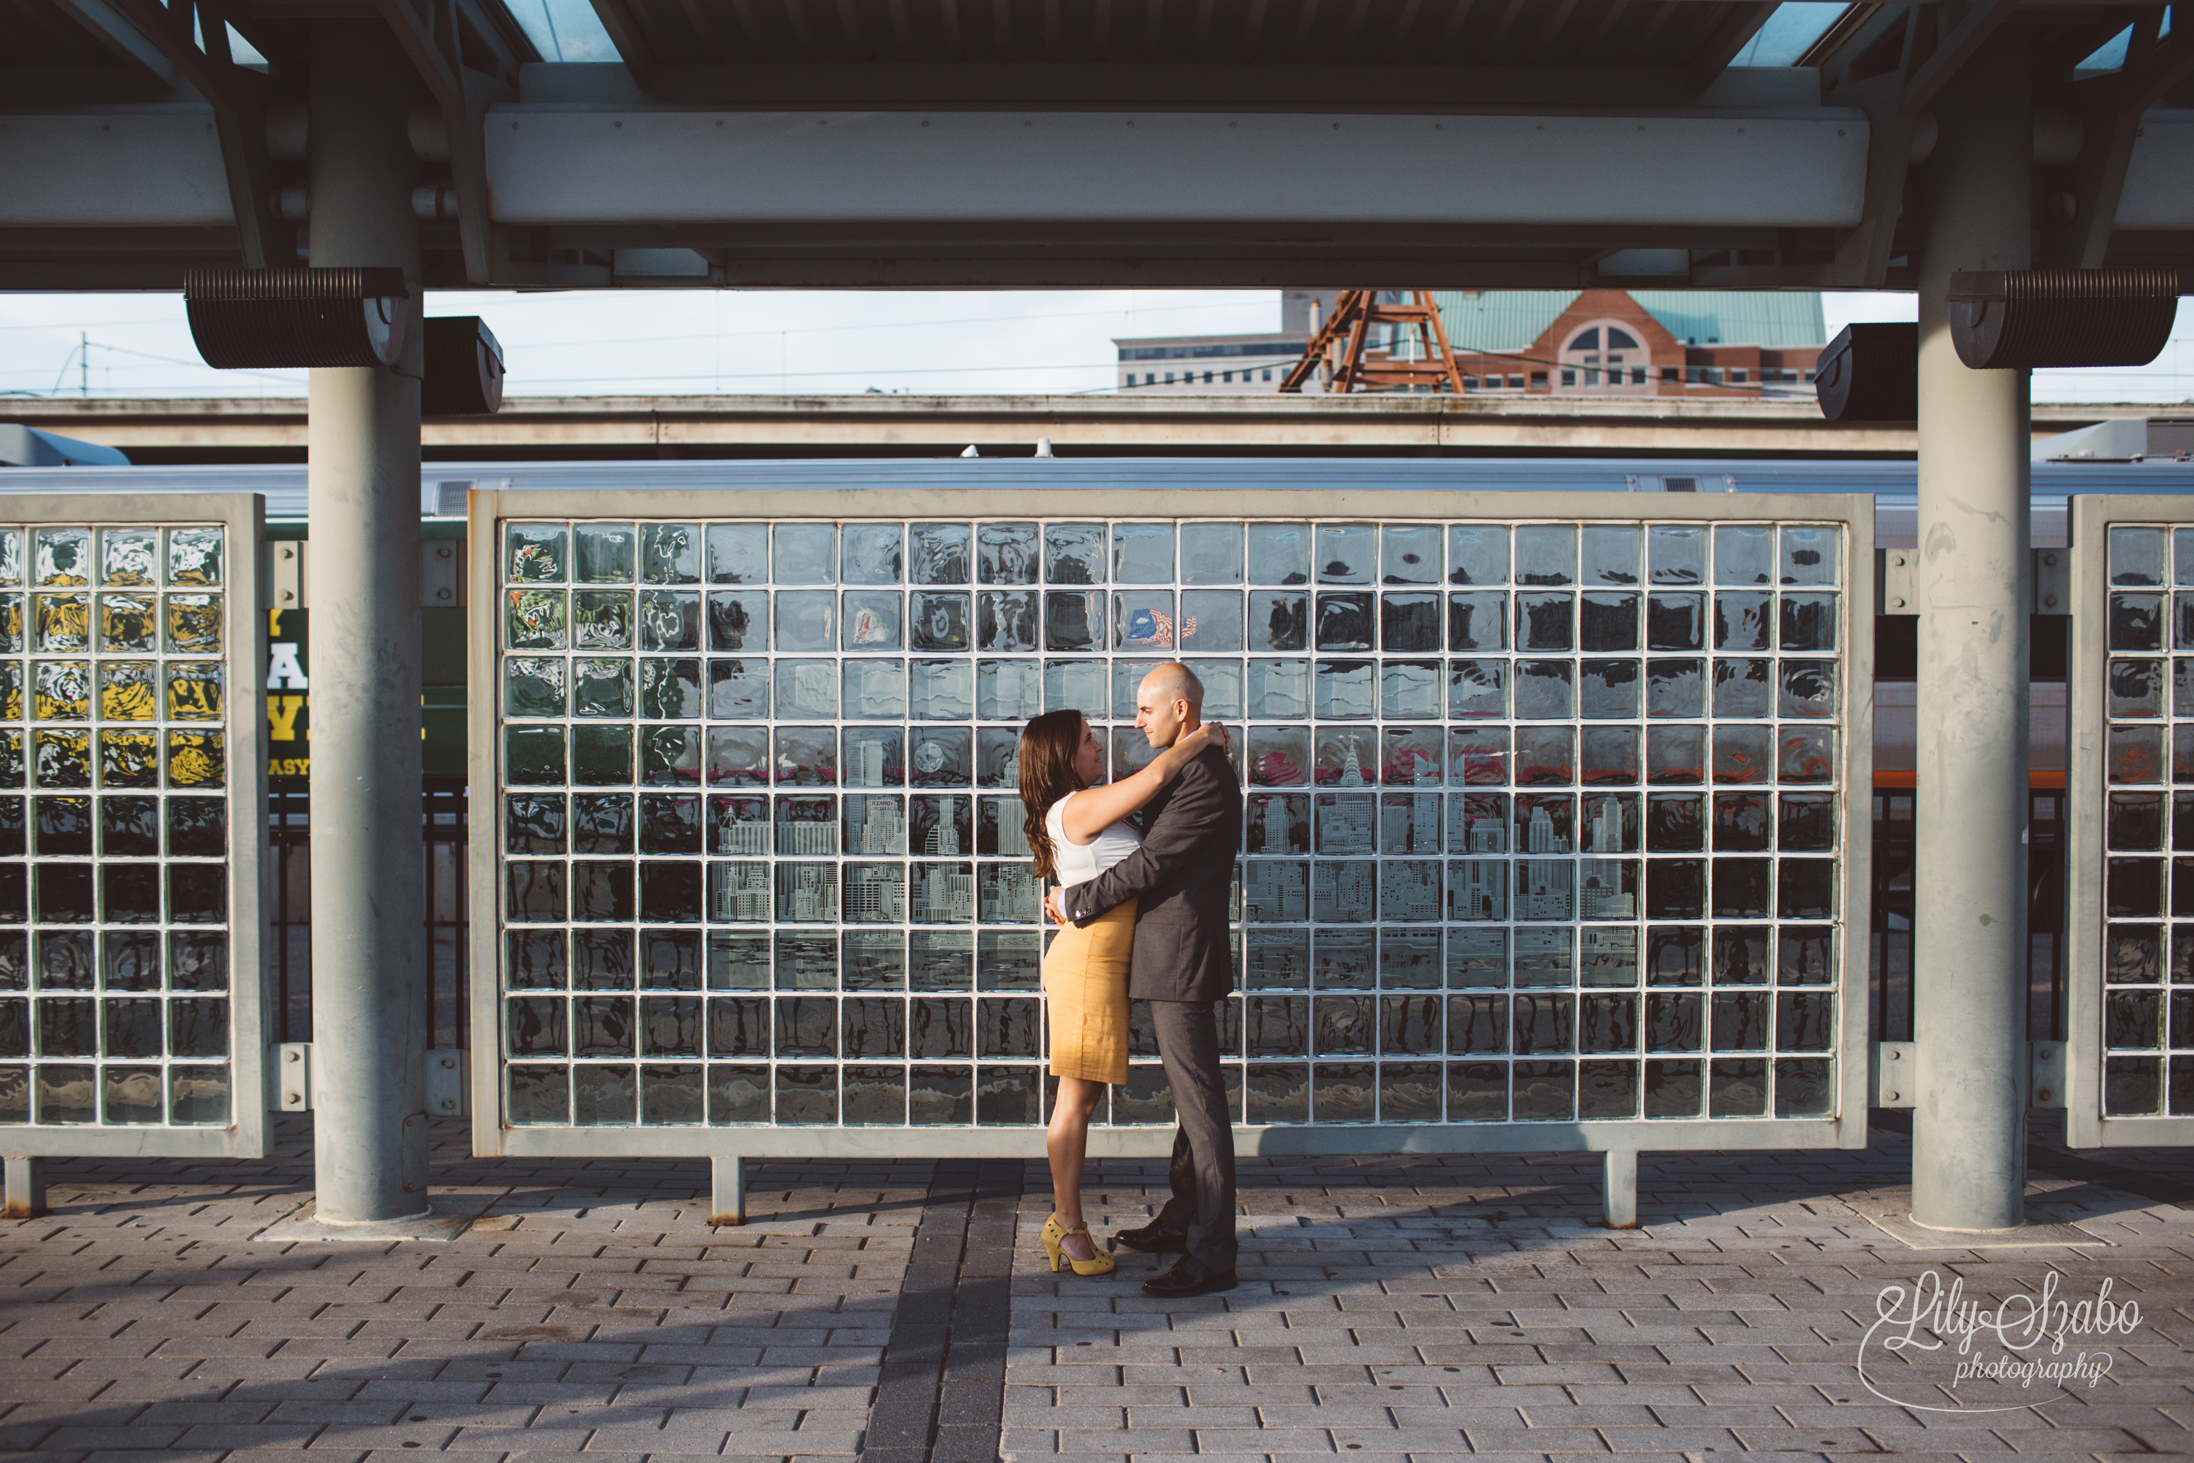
(691, 342)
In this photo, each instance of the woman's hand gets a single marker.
(1210, 734)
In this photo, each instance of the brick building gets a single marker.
(1710, 344)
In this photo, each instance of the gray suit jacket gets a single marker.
(1184, 876)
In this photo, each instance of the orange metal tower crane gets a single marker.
(1342, 340)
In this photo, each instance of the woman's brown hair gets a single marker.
(1048, 745)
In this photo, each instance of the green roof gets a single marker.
(1510, 320)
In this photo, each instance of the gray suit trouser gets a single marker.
(1202, 1172)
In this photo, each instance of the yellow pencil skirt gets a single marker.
(1085, 982)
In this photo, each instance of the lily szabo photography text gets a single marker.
(1935, 1348)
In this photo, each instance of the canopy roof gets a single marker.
(1549, 144)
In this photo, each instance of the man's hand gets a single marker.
(1051, 905)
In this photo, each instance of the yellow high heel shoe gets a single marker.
(1100, 1263)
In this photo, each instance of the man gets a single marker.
(1183, 963)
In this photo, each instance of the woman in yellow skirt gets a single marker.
(1077, 829)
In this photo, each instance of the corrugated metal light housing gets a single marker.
(2026, 318)
(1870, 373)
(464, 368)
(296, 316)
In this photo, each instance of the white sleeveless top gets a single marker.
(1078, 865)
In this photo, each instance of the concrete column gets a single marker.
(1621, 1188)
(727, 1191)
(368, 946)
(1974, 580)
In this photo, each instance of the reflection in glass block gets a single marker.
(738, 620)
(1808, 689)
(1345, 822)
(603, 553)
(1345, 688)
(1279, 690)
(1477, 622)
(534, 619)
(1344, 552)
(1008, 690)
(1544, 691)
(1477, 889)
(804, 553)
(805, 620)
(601, 688)
(127, 622)
(1074, 553)
(738, 553)
(129, 759)
(1741, 621)
(534, 553)
(1278, 823)
(1142, 553)
(1478, 755)
(62, 759)
(61, 690)
(942, 757)
(1743, 554)
(1743, 688)
(1809, 622)
(1545, 622)
(2137, 556)
(1279, 553)
(1675, 622)
(1345, 622)
(940, 690)
(1610, 553)
(872, 621)
(1074, 620)
(61, 557)
(1007, 553)
(1006, 619)
(869, 553)
(1608, 690)
(1211, 620)
(131, 556)
(1348, 756)
(1546, 553)
(1279, 621)
(2136, 622)
(1542, 1091)
(1274, 892)
(1810, 555)
(1806, 754)
(64, 624)
(1607, 622)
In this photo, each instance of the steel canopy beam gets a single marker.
(576, 166)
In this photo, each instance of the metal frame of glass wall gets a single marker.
(132, 817)
(2129, 836)
(1557, 834)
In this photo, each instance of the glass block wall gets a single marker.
(115, 975)
(1542, 817)
(2148, 884)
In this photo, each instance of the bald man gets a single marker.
(1183, 964)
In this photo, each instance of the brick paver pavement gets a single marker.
(1389, 1308)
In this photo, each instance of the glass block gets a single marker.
(803, 553)
(1673, 1089)
(738, 553)
(1743, 554)
(1742, 753)
(1074, 620)
(1006, 553)
(1345, 689)
(1477, 690)
(871, 620)
(127, 623)
(61, 690)
(194, 624)
(874, 690)
(64, 623)
(942, 757)
(2137, 556)
(602, 823)
(1741, 888)
(1477, 622)
(1545, 622)
(197, 1095)
(194, 691)
(600, 688)
(1478, 756)
(62, 759)
(1545, 690)
(739, 620)
(1274, 892)
(1142, 553)
(1811, 555)
(534, 619)
(1741, 621)
(1345, 553)
(1345, 622)
(1279, 690)
(1477, 889)
(940, 690)
(1211, 620)
(131, 556)
(1279, 620)
(1074, 553)
(534, 686)
(1809, 622)
(1607, 622)
(1010, 960)
(1477, 1092)
(2136, 754)
(11, 557)
(1006, 620)
(1805, 955)
(1348, 756)
(1409, 554)
(871, 553)
(535, 553)
(603, 553)
(670, 689)
(1737, 1087)
(1543, 1091)
(2132, 954)
(129, 759)
(2136, 622)
(1608, 756)
(1278, 823)
(1807, 689)
(2131, 1085)
(805, 620)
(1143, 621)
(1675, 622)
(1676, 554)
(1477, 554)
(1546, 553)
(1211, 553)
(1279, 553)
(1607, 690)
(1806, 754)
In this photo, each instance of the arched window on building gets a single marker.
(1605, 358)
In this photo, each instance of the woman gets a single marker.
(1075, 828)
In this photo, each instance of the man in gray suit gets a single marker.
(1183, 964)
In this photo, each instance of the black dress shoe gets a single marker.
(1152, 1240)
(1188, 1277)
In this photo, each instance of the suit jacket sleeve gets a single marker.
(1194, 812)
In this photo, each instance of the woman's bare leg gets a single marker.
(1067, 1144)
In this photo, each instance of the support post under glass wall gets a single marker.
(1970, 818)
